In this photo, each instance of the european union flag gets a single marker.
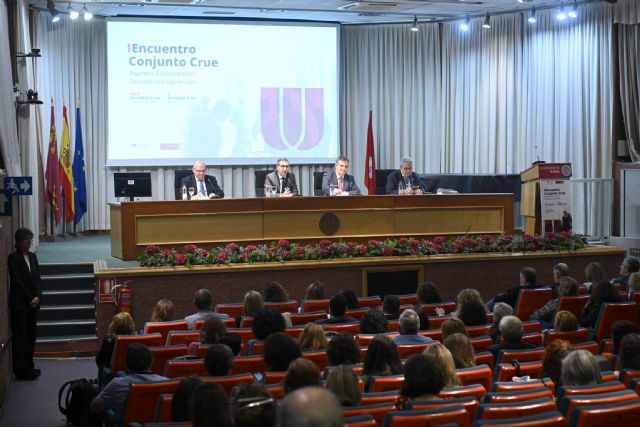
(79, 179)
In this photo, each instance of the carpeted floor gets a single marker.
(35, 403)
(84, 249)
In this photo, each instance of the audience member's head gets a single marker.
(315, 291)
(266, 322)
(428, 293)
(568, 287)
(423, 378)
(473, 313)
(501, 309)
(633, 282)
(343, 382)
(233, 341)
(425, 325)
(629, 354)
(274, 292)
(444, 360)
(310, 407)
(279, 351)
(351, 298)
(391, 305)
(337, 305)
(212, 330)
(580, 367)
(594, 273)
(453, 326)
(203, 299)
(528, 276)
(511, 329)
(253, 406)
(409, 322)
(218, 360)
(604, 292)
(182, 398)
(628, 266)
(374, 322)
(121, 324)
(301, 373)
(552, 362)
(163, 311)
(468, 295)
(461, 350)
(252, 303)
(343, 350)
(560, 270)
(619, 330)
(137, 359)
(210, 407)
(382, 357)
(565, 321)
(312, 337)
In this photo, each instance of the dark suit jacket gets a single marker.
(520, 345)
(395, 177)
(511, 296)
(209, 181)
(336, 320)
(348, 183)
(24, 284)
(274, 180)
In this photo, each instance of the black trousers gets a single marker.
(23, 340)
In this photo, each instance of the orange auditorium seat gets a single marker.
(182, 337)
(352, 328)
(365, 339)
(581, 335)
(480, 374)
(161, 354)
(163, 328)
(360, 421)
(627, 375)
(377, 411)
(523, 385)
(605, 387)
(591, 346)
(530, 300)
(124, 341)
(435, 322)
(251, 364)
(142, 402)
(481, 343)
(231, 310)
(476, 391)
(373, 398)
(478, 331)
(228, 382)
(245, 322)
(309, 305)
(295, 331)
(430, 309)
(357, 313)
(164, 413)
(229, 322)
(547, 419)
(290, 306)
(567, 404)
(506, 371)
(385, 382)
(319, 357)
(434, 334)
(273, 377)
(531, 326)
(573, 304)
(487, 411)
(304, 317)
(621, 414)
(185, 368)
(610, 313)
(428, 417)
(469, 403)
(528, 355)
(410, 299)
(484, 358)
(406, 350)
(518, 395)
(372, 301)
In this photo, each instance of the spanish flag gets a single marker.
(66, 172)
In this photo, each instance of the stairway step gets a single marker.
(66, 312)
(65, 338)
(67, 307)
(66, 322)
(65, 268)
(51, 328)
(67, 282)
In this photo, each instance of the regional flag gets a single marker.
(79, 178)
(52, 193)
(370, 167)
(66, 174)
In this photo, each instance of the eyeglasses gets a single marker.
(283, 166)
(252, 402)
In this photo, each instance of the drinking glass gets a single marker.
(192, 191)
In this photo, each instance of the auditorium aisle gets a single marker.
(35, 403)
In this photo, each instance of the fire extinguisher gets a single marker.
(123, 297)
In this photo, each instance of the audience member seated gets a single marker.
(461, 350)
(391, 307)
(466, 296)
(268, 321)
(511, 331)
(528, 277)
(628, 266)
(629, 354)
(342, 349)
(204, 303)
(163, 311)
(604, 292)
(218, 360)
(409, 324)
(619, 330)
(444, 361)
(301, 373)
(423, 380)
(424, 320)
(473, 313)
(252, 304)
(374, 322)
(233, 341)
(453, 326)
(428, 293)
(560, 270)
(274, 292)
(594, 273)
(315, 291)
(633, 284)
(500, 309)
(310, 407)
(212, 330)
(279, 351)
(552, 362)
(343, 382)
(312, 338)
(113, 397)
(568, 287)
(253, 406)
(122, 324)
(181, 402)
(337, 309)
(351, 297)
(565, 321)
(580, 367)
(210, 407)
(382, 358)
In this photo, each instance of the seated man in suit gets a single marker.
(409, 179)
(282, 180)
(338, 180)
(205, 186)
(528, 278)
(337, 310)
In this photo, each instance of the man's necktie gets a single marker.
(201, 188)
(340, 183)
(281, 184)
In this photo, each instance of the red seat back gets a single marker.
(511, 396)
(378, 383)
(430, 309)
(377, 411)
(360, 421)
(182, 337)
(124, 341)
(569, 403)
(506, 371)
(273, 377)
(622, 414)
(185, 368)
(529, 355)
(229, 322)
(251, 364)
(352, 328)
(573, 304)
(492, 411)
(228, 382)
(473, 390)
(373, 398)
(429, 417)
(410, 299)
(231, 310)
(304, 318)
(142, 402)
(164, 413)
(484, 358)
(529, 300)
(481, 343)
(610, 313)
(470, 404)
(406, 350)
(372, 301)
(163, 328)
(319, 357)
(480, 374)
(357, 313)
(315, 305)
(290, 306)
(161, 354)
(581, 335)
(478, 331)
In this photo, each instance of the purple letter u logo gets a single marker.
(282, 120)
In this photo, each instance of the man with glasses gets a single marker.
(205, 186)
(405, 180)
(281, 180)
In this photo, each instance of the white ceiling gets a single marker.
(339, 11)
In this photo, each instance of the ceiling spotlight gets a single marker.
(525, 1)
(414, 27)
(487, 22)
(573, 12)
(51, 7)
(532, 16)
(72, 13)
(464, 25)
(86, 14)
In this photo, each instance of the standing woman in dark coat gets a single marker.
(24, 300)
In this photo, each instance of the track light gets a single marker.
(464, 25)
(73, 14)
(414, 27)
(573, 11)
(51, 7)
(532, 16)
(561, 15)
(86, 14)
(487, 22)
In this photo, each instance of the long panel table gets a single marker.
(134, 225)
